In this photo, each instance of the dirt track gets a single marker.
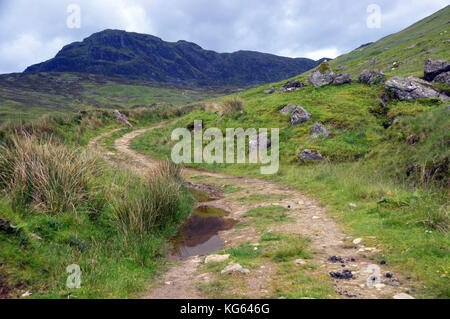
(308, 219)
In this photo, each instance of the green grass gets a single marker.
(364, 164)
(429, 35)
(80, 218)
(264, 217)
(275, 251)
(28, 96)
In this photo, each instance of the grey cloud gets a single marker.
(33, 31)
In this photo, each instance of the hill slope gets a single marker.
(30, 95)
(428, 38)
(145, 57)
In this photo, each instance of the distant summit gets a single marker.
(145, 57)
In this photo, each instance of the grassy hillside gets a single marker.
(428, 38)
(385, 175)
(25, 96)
(400, 188)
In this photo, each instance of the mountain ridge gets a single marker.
(146, 57)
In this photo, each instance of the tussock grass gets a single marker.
(48, 177)
(151, 205)
(232, 106)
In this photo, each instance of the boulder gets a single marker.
(308, 155)
(342, 67)
(292, 86)
(371, 77)
(443, 78)
(318, 79)
(121, 118)
(288, 109)
(434, 67)
(412, 88)
(341, 79)
(319, 130)
(270, 91)
(257, 141)
(300, 115)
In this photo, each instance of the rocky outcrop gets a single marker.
(341, 79)
(371, 77)
(318, 79)
(412, 88)
(443, 78)
(434, 67)
(299, 116)
(122, 119)
(319, 130)
(308, 155)
(292, 86)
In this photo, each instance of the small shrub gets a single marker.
(232, 106)
(324, 67)
(438, 219)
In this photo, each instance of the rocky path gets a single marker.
(339, 260)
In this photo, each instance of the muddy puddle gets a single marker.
(199, 235)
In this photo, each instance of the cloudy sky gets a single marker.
(34, 31)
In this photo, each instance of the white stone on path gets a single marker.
(216, 258)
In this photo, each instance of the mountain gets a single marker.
(145, 57)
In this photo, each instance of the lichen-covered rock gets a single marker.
(412, 88)
(371, 77)
(341, 79)
(318, 79)
(308, 155)
(292, 86)
(434, 67)
(300, 115)
(288, 109)
(443, 78)
(319, 130)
